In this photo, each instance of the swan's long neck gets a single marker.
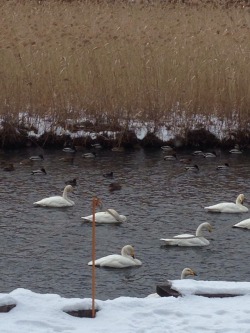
(199, 230)
(239, 201)
(65, 194)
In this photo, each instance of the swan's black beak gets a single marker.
(133, 256)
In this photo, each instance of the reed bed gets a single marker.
(158, 62)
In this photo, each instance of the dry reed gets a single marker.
(113, 61)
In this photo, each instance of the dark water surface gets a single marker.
(47, 249)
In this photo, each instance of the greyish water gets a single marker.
(47, 250)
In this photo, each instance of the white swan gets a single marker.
(245, 224)
(190, 240)
(187, 272)
(57, 201)
(229, 207)
(110, 216)
(125, 259)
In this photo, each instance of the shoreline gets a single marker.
(85, 136)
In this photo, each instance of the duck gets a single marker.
(245, 224)
(225, 166)
(26, 162)
(185, 160)
(109, 216)
(172, 157)
(118, 149)
(96, 146)
(109, 175)
(114, 187)
(70, 150)
(9, 167)
(89, 155)
(167, 148)
(123, 260)
(190, 240)
(71, 182)
(69, 159)
(187, 272)
(198, 153)
(37, 158)
(210, 155)
(41, 171)
(57, 201)
(229, 207)
(192, 168)
(236, 150)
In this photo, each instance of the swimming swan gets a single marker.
(125, 259)
(57, 201)
(229, 207)
(190, 240)
(245, 224)
(110, 216)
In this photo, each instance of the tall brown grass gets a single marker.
(113, 61)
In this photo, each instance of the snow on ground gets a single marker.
(45, 313)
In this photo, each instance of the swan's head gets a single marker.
(69, 188)
(118, 217)
(240, 199)
(207, 226)
(128, 250)
(187, 272)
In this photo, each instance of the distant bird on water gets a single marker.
(41, 171)
(109, 174)
(223, 167)
(89, 155)
(9, 167)
(114, 187)
(71, 182)
(37, 158)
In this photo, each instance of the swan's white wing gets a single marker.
(184, 236)
(116, 261)
(56, 201)
(243, 224)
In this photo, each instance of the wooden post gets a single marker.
(95, 203)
